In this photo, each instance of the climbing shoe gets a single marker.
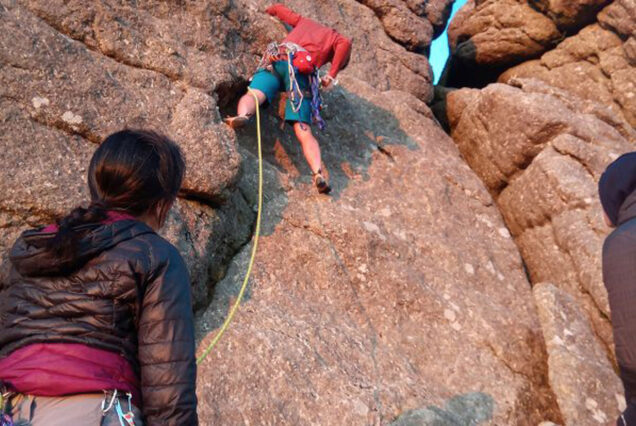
(237, 122)
(321, 183)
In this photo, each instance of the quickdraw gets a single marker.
(125, 419)
(5, 420)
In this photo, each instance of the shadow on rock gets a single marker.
(464, 410)
(356, 129)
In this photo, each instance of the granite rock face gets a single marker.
(400, 298)
(63, 85)
(437, 12)
(583, 380)
(215, 46)
(60, 99)
(488, 37)
(469, 409)
(402, 294)
(401, 24)
(500, 32)
(540, 151)
(598, 63)
(208, 238)
(412, 23)
(568, 15)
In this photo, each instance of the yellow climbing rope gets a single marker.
(256, 233)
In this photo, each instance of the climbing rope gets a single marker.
(225, 325)
(295, 92)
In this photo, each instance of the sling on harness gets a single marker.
(298, 62)
(125, 419)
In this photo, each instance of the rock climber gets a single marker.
(293, 66)
(617, 191)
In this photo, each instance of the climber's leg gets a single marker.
(247, 106)
(311, 151)
(309, 144)
(265, 85)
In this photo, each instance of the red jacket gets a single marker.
(322, 43)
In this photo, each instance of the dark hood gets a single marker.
(617, 188)
(31, 258)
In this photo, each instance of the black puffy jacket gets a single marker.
(619, 275)
(127, 291)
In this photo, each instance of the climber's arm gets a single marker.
(342, 51)
(284, 14)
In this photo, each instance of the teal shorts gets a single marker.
(272, 83)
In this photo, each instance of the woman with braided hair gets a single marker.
(96, 322)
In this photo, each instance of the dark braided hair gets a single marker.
(134, 172)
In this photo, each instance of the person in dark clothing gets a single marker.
(96, 323)
(617, 191)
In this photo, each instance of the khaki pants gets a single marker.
(75, 410)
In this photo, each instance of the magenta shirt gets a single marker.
(71, 368)
(57, 369)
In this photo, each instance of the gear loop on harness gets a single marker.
(125, 419)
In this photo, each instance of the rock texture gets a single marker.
(402, 297)
(372, 303)
(585, 384)
(470, 409)
(208, 238)
(401, 24)
(412, 23)
(570, 15)
(63, 85)
(214, 46)
(500, 32)
(60, 98)
(437, 12)
(71, 74)
(487, 37)
(540, 151)
(598, 63)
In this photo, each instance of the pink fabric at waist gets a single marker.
(57, 369)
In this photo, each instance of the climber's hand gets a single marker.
(326, 81)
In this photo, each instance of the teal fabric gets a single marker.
(272, 83)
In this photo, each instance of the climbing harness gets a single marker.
(125, 419)
(298, 62)
(257, 231)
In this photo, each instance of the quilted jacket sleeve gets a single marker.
(619, 275)
(166, 345)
